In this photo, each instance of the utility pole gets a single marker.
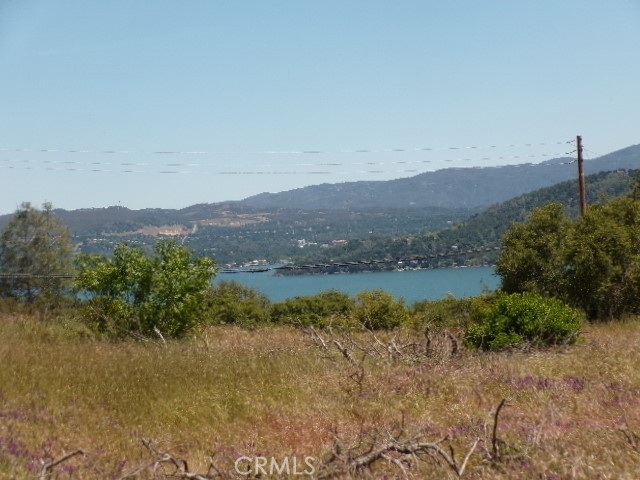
(581, 184)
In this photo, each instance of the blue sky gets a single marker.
(254, 84)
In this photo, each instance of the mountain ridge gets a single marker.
(484, 229)
(238, 231)
(474, 187)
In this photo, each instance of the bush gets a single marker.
(380, 310)
(230, 302)
(317, 310)
(525, 318)
(134, 292)
(449, 312)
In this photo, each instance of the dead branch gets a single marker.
(47, 468)
(495, 448)
(179, 466)
(274, 351)
(345, 353)
(396, 462)
(143, 338)
(455, 345)
(401, 450)
(316, 336)
(404, 451)
(467, 457)
(632, 438)
(401, 347)
(159, 333)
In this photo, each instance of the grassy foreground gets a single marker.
(572, 412)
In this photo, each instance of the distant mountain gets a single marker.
(482, 229)
(116, 219)
(121, 219)
(232, 232)
(363, 213)
(450, 188)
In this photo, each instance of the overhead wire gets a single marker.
(297, 168)
(191, 168)
(277, 152)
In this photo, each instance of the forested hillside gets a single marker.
(234, 233)
(483, 229)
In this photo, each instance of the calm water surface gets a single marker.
(411, 285)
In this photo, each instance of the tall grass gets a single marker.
(269, 391)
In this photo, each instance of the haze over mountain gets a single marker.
(450, 188)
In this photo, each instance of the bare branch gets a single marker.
(180, 466)
(47, 468)
(159, 333)
(344, 352)
(396, 462)
(494, 437)
(467, 457)
(317, 336)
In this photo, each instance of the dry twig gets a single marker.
(632, 438)
(403, 348)
(179, 466)
(495, 442)
(45, 473)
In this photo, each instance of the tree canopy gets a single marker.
(136, 292)
(592, 262)
(34, 245)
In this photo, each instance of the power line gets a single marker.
(277, 152)
(27, 276)
(307, 164)
(72, 166)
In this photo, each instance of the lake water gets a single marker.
(412, 285)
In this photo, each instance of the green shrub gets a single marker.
(449, 312)
(525, 318)
(230, 302)
(110, 317)
(134, 292)
(379, 310)
(318, 310)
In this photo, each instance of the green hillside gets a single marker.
(483, 229)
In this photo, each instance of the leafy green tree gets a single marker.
(134, 292)
(533, 255)
(35, 245)
(230, 302)
(592, 263)
(602, 262)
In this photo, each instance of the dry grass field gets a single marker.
(139, 409)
